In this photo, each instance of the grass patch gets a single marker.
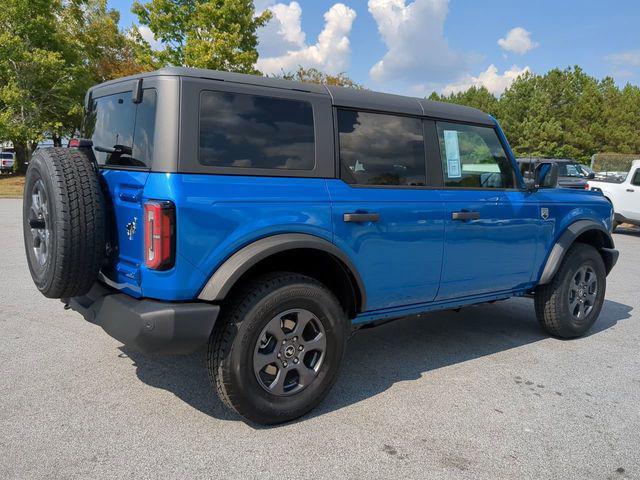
(11, 186)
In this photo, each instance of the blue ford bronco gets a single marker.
(269, 219)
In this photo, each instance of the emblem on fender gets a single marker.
(544, 213)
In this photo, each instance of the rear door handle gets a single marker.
(361, 217)
(465, 215)
(630, 190)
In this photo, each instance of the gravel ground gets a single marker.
(482, 393)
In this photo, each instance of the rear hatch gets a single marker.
(122, 132)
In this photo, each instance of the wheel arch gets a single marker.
(284, 252)
(583, 231)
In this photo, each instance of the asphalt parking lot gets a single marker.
(482, 393)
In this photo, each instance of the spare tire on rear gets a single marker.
(63, 216)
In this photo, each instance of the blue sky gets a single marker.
(417, 46)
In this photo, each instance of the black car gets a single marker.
(571, 174)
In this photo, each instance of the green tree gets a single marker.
(107, 51)
(476, 97)
(40, 74)
(313, 75)
(563, 113)
(214, 34)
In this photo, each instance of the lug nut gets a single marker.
(300, 348)
(279, 355)
(295, 360)
(284, 364)
(295, 339)
(284, 341)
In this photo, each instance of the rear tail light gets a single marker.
(159, 235)
(80, 143)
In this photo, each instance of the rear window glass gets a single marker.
(381, 149)
(122, 131)
(253, 131)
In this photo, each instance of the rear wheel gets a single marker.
(569, 305)
(276, 350)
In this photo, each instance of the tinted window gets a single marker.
(251, 131)
(570, 170)
(122, 131)
(473, 157)
(380, 149)
(636, 178)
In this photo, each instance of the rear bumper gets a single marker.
(147, 325)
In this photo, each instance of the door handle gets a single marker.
(630, 190)
(361, 217)
(465, 215)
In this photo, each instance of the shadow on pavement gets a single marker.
(379, 357)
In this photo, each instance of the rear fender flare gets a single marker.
(227, 274)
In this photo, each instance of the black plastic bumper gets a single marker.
(610, 258)
(147, 325)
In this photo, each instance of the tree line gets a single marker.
(52, 51)
(562, 114)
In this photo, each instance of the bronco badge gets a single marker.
(544, 213)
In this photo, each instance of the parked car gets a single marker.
(624, 194)
(268, 219)
(571, 174)
(6, 162)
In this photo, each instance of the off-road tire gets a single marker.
(243, 317)
(551, 300)
(75, 221)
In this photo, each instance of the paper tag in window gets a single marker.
(452, 149)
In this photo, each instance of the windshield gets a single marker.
(570, 170)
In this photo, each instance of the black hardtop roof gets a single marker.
(340, 96)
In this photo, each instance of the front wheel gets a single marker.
(277, 348)
(569, 305)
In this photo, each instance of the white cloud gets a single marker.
(627, 59)
(147, 35)
(495, 82)
(518, 41)
(283, 32)
(416, 46)
(283, 45)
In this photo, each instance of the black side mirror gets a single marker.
(546, 175)
(591, 176)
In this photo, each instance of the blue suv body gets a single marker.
(235, 204)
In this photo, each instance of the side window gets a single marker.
(122, 131)
(381, 149)
(636, 178)
(253, 131)
(473, 157)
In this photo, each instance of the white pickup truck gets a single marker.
(623, 193)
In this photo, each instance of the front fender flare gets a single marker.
(565, 241)
(227, 274)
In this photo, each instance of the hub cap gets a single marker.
(289, 352)
(39, 222)
(582, 292)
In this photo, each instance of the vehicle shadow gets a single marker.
(377, 358)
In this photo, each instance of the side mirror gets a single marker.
(591, 176)
(546, 175)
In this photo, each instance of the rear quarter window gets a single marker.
(122, 131)
(255, 131)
